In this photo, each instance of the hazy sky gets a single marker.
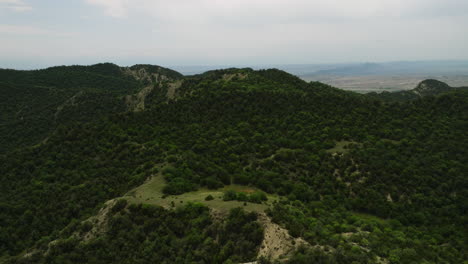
(36, 33)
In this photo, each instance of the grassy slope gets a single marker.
(151, 193)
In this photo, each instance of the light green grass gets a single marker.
(151, 193)
(340, 147)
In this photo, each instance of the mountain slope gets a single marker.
(357, 178)
(34, 103)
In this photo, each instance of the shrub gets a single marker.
(258, 197)
(230, 195)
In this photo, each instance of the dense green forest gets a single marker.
(360, 178)
(35, 103)
(150, 234)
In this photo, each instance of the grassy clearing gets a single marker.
(341, 147)
(151, 193)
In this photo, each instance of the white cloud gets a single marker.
(30, 31)
(243, 31)
(115, 8)
(265, 11)
(15, 5)
(186, 10)
(293, 31)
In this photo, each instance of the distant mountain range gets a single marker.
(395, 68)
(367, 68)
(367, 77)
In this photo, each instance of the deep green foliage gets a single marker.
(407, 163)
(255, 197)
(329, 224)
(34, 103)
(150, 234)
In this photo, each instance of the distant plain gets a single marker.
(365, 77)
(371, 83)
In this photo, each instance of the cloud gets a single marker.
(30, 31)
(286, 30)
(15, 5)
(114, 8)
(240, 31)
(278, 11)
(185, 10)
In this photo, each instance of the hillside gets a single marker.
(126, 175)
(35, 103)
(427, 87)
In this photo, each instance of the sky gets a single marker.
(39, 33)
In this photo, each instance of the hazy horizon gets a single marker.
(37, 34)
(360, 77)
(184, 67)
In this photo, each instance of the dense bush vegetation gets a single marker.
(404, 162)
(34, 103)
(151, 234)
(255, 197)
(359, 238)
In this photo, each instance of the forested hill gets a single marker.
(144, 165)
(429, 87)
(34, 103)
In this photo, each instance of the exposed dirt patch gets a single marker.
(99, 221)
(172, 88)
(143, 75)
(136, 102)
(98, 226)
(389, 198)
(277, 242)
(230, 76)
(218, 215)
